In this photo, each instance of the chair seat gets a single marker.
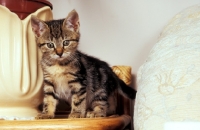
(108, 123)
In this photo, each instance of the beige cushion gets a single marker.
(169, 81)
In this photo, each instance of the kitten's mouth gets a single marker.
(60, 58)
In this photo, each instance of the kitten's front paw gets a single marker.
(93, 114)
(76, 115)
(44, 116)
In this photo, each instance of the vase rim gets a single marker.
(44, 2)
(25, 7)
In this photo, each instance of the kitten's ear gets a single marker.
(38, 26)
(71, 22)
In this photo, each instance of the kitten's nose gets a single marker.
(59, 51)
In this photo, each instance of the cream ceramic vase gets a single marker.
(20, 72)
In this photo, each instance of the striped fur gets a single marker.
(87, 83)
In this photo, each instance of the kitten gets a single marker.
(85, 82)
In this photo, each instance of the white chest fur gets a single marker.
(60, 76)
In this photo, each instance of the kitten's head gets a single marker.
(57, 39)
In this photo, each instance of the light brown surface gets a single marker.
(109, 123)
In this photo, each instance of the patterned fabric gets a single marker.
(169, 81)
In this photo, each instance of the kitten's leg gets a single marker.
(49, 103)
(99, 109)
(99, 105)
(78, 107)
(78, 102)
(103, 108)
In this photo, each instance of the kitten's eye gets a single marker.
(66, 43)
(50, 45)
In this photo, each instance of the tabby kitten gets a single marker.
(85, 82)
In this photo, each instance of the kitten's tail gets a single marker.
(126, 90)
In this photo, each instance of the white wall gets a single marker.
(120, 32)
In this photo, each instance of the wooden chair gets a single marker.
(116, 122)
